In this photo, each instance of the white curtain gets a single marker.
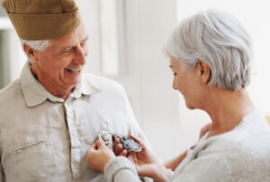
(5, 76)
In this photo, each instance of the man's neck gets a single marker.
(52, 88)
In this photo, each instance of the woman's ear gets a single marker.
(203, 71)
(30, 52)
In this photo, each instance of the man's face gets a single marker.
(60, 65)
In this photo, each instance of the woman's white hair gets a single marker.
(218, 39)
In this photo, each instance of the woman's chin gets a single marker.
(190, 106)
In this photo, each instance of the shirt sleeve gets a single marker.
(1, 173)
(120, 169)
(1, 170)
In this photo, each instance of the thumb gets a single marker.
(132, 157)
(139, 141)
(100, 144)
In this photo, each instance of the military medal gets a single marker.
(128, 143)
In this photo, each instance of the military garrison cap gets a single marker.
(42, 19)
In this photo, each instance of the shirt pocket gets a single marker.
(26, 147)
(29, 161)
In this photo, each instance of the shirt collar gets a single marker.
(35, 94)
(85, 87)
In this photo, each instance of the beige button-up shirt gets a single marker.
(45, 138)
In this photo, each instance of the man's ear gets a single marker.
(203, 71)
(30, 52)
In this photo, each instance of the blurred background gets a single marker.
(125, 44)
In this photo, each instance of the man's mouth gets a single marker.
(73, 70)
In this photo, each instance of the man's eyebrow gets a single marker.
(71, 46)
(84, 40)
(67, 48)
(170, 66)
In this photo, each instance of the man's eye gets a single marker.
(70, 49)
(174, 74)
(83, 44)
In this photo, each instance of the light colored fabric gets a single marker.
(120, 169)
(45, 138)
(1, 174)
(241, 155)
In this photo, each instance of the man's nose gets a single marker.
(81, 55)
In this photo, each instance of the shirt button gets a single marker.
(19, 150)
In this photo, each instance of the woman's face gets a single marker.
(187, 82)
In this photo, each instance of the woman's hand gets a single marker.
(205, 129)
(99, 155)
(147, 164)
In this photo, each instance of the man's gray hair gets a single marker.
(39, 45)
(218, 39)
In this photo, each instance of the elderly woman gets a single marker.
(210, 57)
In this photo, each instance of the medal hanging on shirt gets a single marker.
(127, 143)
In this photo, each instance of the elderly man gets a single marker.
(53, 113)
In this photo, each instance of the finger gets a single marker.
(123, 153)
(91, 152)
(132, 157)
(117, 139)
(205, 129)
(118, 149)
(140, 142)
(209, 126)
(100, 143)
(93, 147)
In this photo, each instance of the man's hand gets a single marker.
(99, 155)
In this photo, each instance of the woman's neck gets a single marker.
(227, 110)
